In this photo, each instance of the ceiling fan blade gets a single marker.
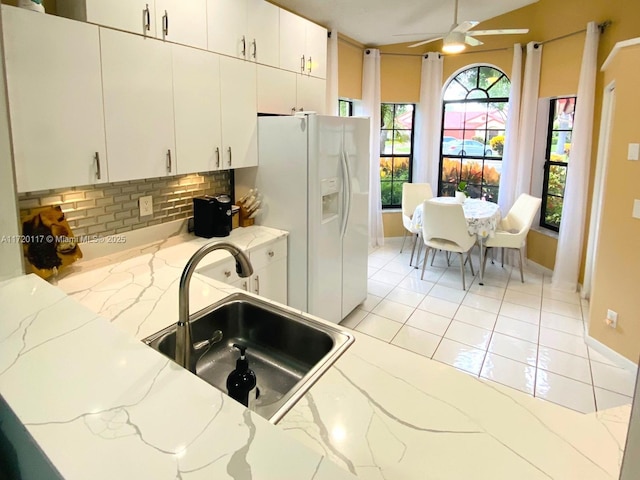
(501, 31)
(464, 26)
(421, 34)
(424, 42)
(474, 42)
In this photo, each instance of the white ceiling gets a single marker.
(375, 22)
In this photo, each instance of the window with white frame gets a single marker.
(396, 151)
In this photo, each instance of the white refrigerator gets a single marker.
(313, 172)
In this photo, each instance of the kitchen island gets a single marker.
(94, 398)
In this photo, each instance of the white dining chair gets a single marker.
(444, 227)
(413, 194)
(513, 229)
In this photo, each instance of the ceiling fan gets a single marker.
(460, 34)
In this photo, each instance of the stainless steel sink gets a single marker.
(288, 352)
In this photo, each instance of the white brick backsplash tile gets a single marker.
(100, 202)
(124, 214)
(94, 194)
(114, 225)
(109, 217)
(86, 204)
(122, 198)
(73, 197)
(28, 203)
(51, 200)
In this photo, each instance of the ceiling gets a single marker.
(375, 22)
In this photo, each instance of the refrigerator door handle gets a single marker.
(346, 203)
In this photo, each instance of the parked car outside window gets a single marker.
(466, 147)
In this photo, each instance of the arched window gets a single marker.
(474, 116)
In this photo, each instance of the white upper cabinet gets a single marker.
(196, 99)
(138, 106)
(55, 100)
(263, 24)
(303, 45)
(239, 114)
(179, 21)
(276, 90)
(182, 21)
(227, 27)
(136, 16)
(247, 29)
(311, 94)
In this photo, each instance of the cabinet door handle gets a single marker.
(255, 49)
(146, 13)
(227, 273)
(245, 286)
(165, 24)
(309, 65)
(257, 281)
(230, 156)
(302, 64)
(271, 253)
(217, 157)
(97, 159)
(169, 160)
(244, 47)
(293, 109)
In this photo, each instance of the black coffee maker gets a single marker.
(212, 216)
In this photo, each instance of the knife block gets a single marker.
(245, 221)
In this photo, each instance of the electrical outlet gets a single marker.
(146, 205)
(612, 318)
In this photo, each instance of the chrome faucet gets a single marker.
(184, 344)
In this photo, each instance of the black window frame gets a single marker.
(549, 163)
(392, 155)
(349, 105)
(483, 189)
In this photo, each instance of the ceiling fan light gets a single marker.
(454, 42)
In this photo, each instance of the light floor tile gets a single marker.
(476, 317)
(447, 293)
(562, 308)
(385, 276)
(379, 327)
(439, 306)
(516, 328)
(565, 391)
(524, 299)
(563, 341)
(410, 282)
(562, 323)
(482, 303)
(416, 340)
(406, 297)
(619, 380)
(376, 261)
(596, 356)
(378, 289)
(429, 322)
(606, 399)
(431, 274)
(567, 297)
(527, 287)
(399, 268)
(468, 334)
(563, 363)
(354, 318)
(370, 303)
(461, 356)
(371, 271)
(393, 310)
(519, 312)
(487, 291)
(509, 372)
(514, 348)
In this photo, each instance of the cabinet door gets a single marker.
(182, 21)
(311, 94)
(276, 90)
(263, 33)
(292, 42)
(138, 106)
(55, 100)
(227, 27)
(316, 50)
(239, 114)
(137, 16)
(271, 281)
(196, 100)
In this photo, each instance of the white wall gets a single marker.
(10, 252)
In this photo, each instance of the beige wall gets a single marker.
(617, 263)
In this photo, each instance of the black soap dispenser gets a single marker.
(241, 383)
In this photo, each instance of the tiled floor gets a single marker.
(523, 335)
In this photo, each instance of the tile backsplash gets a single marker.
(111, 208)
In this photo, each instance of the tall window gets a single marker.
(345, 108)
(557, 160)
(396, 151)
(475, 110)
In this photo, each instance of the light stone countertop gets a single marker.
(380, 412)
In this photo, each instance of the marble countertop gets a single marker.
(380, 412)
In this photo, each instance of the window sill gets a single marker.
(546, 232)
(391, 210)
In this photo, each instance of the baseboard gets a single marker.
(611, 354)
